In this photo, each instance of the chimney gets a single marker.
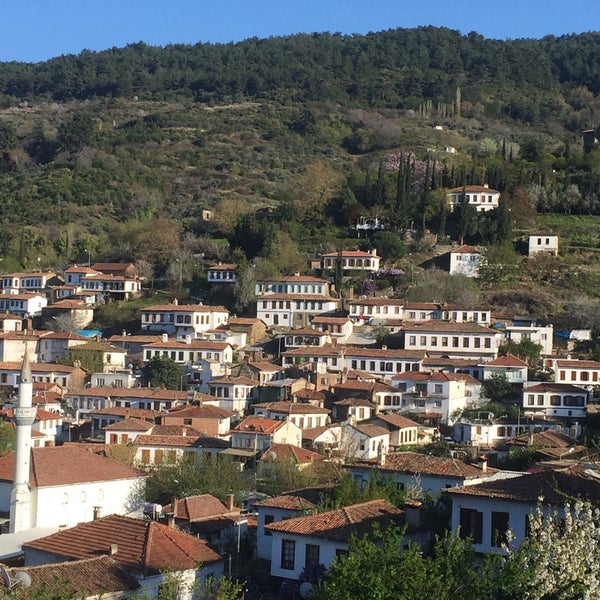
(165, 338)
(230, 503)
(124, 332)
(97, 510)
(483, 460)
(175, 302)
(114, 548)
(412, 513)
(381, 454)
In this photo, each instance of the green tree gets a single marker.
(7, 437)
(498, 389)
(526, 349)
(162, 372)
(500, 264)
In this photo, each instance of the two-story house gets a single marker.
(352, 260)
(554, 400)
(259, 433)
(183, 319)
(481, 197)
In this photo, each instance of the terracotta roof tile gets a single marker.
(145, 547)
(300, 456)
(67, 465)
(292, 408)
(129, 424)
(96, 576)
(197, 508)
(412, 462)
(340, 524)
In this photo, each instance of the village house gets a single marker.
(147, 550)
(234, 394)
(85, 400)
(167, 445)
(481, 197)
(107, 357)
(102, 417)
(430, 474)
(286, 506)
(509, 366)
(465, 260)
(183, 320)
(259, 433)
(339, 328)
(10, 322)
(299, 543)
(24, 304)
(362, 441)
(288, 455)
(78, 312)
(353, 410)
(383, 362)
(456, 340)
(293, 310)
(378, 309)
(207, 419)
(538, 334)
(437, 396)
(327, 358)
(472, 366)
(261, 371)
(554, 400)
(583, 373)
(189, 352)
(52, 345)
(306, 336)
(46, 428)
(120, 269)
(15, 344)
(64, 375)
(208, 518)
(485, 512)
(401, 429)
(126, 430)
(222, 274)
(254, 329)
(75, 273)
(88, 579)
(352, 260)
(543, 243)
(107, 288)
(20, 283)
(305, 416)
(380, 396)
(90, 487)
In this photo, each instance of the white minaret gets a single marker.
(24, 415)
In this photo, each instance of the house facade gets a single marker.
(481, 197)
(552, 400)
(543, 243)
(183, 319)
(352, 260)
(466, 261)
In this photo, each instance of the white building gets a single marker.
(543, 243)
(26, 304)
(538, 334)
(293, 310)
(352, 260)
(465, 260)
(183, 319)
(552, 400)
(481, 197)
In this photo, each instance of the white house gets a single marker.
(293, 310)
(379, 309)
(303, 415)
(19, 283)
(90, 487)
(543, 243)
(430, 473)
(26, 304)
(383, 362)
(465, 260)
(149, 551)
(509, 366)
(234, 394)
(111, 287)
(259, 433)
(293, 284)
(487, 511)
(481, 197)
(301, 542)
(352, 260)
(339, 328)
(552, 400)
(456, 340)
(584, 373)
(539, 334)
(222, 274)
(189, 352)
(183, 319)
(364, 441)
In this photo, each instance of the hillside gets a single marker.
(116, 154)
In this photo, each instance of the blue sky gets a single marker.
(35, 30)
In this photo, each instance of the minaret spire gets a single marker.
(24, 415)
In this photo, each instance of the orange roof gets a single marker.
(145, 547)
(197, 508)
(259, 425)
(300, 456)
(510, 360)
(68, 465)
(474, 189)
(184, 308)
(340, 524)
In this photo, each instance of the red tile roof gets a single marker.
(555, 486)
(204, 411)
(145, 547)
(338, 525)
(412, 462)
(292, 408)
(203, 308)
(259, 425)
(578, 364)
(197, 508)
(299, 456)
(449, 326)
(396, 421)
(129, 424)
(68, 465)
(98, 576)
(510, 360)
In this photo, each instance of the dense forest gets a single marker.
(288, 141)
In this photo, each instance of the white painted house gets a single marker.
(481, 197)
(183, 319)
(465, 260)
(352, 260)
(543, 244)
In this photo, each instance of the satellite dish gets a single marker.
(23, 578)
(305, 589)
(272, 455)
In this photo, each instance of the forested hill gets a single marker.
(398, 68)
(288, 142)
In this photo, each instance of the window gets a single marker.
(412, 340)
(499, 528)
(423, 340)
(341, 552)
(187, 421)
(312, 555)
(471, 524)
(268, 519)
(444, 341)
(438, 388)
(288, 554)
(455, 342)
(530, 400)
(433, 340)
(554, 400)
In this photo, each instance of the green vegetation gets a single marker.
(163, 372)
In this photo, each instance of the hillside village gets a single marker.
(331, 382)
